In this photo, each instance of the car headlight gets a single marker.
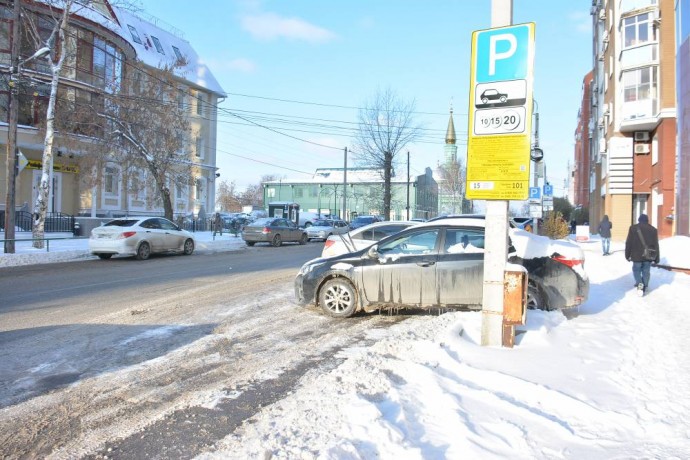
(307, 268)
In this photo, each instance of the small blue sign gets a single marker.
(534, 193)
(503, 54)
(548, 190)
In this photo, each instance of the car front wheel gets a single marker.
(143, 251)
(535, 300)
(304, 239)
(337, 298)
(188, 247)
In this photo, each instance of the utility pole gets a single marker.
(496, 251)
(12, 115)
(345, 187)
(408, 185)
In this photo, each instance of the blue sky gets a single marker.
(305, 67)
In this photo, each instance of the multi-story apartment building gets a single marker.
(580, 191)
(633, 113)
(681, 213)
(103, 40)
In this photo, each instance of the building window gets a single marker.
(639, 84)
(181, 99)
(158, 45)
(271, 192)
(98, 62)
(638, 30)
(199, 188)
(110, 183)
(5, 39)
(299, 192)
(200, 104)
(200, 146)
(176, 50)
(180, 192)
(135, 34)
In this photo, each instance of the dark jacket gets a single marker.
(634, 246)
(605, 227)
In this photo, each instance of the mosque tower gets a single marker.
(450, 149)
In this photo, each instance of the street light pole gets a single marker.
(12, 115)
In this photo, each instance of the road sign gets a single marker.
(535, 210)
(534, 193)
(548, 190)
(21, 162)
(500, 113)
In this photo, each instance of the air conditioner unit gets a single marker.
(641, 136)
(602, 14)
(602, 146)
(641, 149)
(600, 56)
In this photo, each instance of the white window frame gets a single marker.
(636, 24)
(638, 84)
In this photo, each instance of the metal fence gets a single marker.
(55, 222)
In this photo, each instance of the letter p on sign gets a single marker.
(495, 55)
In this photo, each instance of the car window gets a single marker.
(463, 240)
(150, 223)
(165, 224)
(418, 242)
(121, 223)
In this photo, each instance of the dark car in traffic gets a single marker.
(439, 264)
(274, 231)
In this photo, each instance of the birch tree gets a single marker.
(452, 184)
(52, 48)
(386, 126)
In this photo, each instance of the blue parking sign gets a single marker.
(534, 193)
(548, 190)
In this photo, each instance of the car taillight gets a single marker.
(124, 235)
(266, 231)
(328, 244)
(566, 261)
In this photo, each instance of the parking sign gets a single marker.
(500, 113)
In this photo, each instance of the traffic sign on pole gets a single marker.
(548, 190)
(500, 113)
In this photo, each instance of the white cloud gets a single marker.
(270, 26)
(242, 65)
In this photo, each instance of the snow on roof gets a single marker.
(157, 48)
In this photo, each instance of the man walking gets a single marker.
(642, 248)
(605, 234)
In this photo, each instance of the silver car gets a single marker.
(274, 231)
(139, 237)
(323, 228)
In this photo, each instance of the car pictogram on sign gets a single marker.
(493, 95)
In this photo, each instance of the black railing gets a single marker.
(55, 222)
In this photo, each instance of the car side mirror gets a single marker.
(373, 252)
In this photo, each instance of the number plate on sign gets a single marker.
(499, 121)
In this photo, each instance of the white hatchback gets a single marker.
(140, 237)
(362, 237)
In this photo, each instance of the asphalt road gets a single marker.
(159, 358)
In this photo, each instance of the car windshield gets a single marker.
(363, 220)
(323, 223)
(262, 222)
(122, 223)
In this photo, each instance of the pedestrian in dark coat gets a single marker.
(605, 234)
(217, 225)
(635, 248)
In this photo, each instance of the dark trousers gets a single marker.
(641, 272)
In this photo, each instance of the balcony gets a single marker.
(647, 54)
(639, 115)
(632, 5)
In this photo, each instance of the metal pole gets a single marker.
(345, 187)
(12, 115)
(496, 231)
(408, 185)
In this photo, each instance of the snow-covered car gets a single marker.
(139, 237)
(440, 264)
(362, 237)
(323, 228)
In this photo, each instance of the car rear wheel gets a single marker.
(104, 256)
(277, 241)
(188, 246)
(304, 239)
(143, 251)
(337, 298)
(249, 243)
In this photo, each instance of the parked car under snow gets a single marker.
(439, 264)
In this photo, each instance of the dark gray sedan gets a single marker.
(274, 231)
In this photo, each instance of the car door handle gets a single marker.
(426, 263)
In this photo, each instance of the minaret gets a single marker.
(450, 149)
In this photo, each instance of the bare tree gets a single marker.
(149, 130)
(386, 126)
(48, 32)
(452, 184)
(227, 197)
